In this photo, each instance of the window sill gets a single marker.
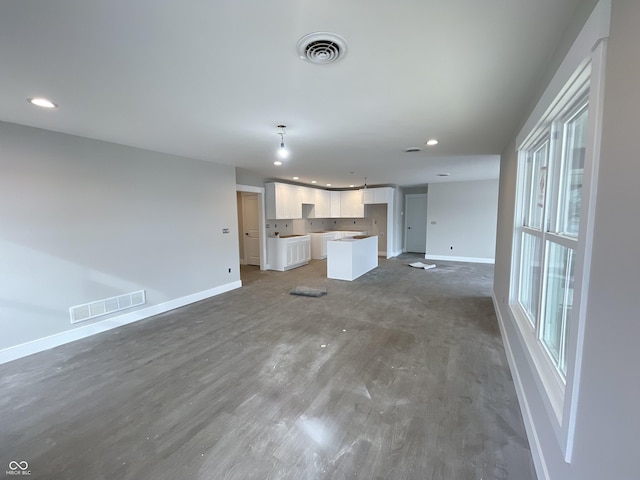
(549, 382)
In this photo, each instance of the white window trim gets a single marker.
(588, 52)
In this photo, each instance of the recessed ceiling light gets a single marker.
(444, 174)
(296, 178)
(352, 186)
(42, 102)
(432, 142)
(412, 149)
(277, 163)
(313, 181)
(328, 184)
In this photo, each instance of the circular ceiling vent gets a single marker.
(321, 47)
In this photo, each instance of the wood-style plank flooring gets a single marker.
(400, 374)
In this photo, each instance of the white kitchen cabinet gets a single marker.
(283, 201)
(285, 253)
(307, 195)
(295, 200)
(334, 209)
(322, 207)
(351, 205)
(298, 253)
(319, 244)
(319, 241)
(350, 258)
(376, 195)
(340, 234)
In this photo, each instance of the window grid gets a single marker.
(550, 196)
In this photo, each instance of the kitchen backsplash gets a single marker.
(304, 226)
(283, 227)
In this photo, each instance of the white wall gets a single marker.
(247, 177)
(465, 216)
(83, 220)
(607, 423)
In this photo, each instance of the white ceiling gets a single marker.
(212, 79)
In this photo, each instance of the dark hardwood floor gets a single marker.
(400, 374)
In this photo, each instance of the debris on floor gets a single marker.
(426, 266)
(308, 291)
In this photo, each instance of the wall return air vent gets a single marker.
(321, 47)
(87, 311)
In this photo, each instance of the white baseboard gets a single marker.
(41, 344)
(527, 417)
(395, 253)
(460, 259)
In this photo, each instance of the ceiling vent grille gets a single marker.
(321, 47)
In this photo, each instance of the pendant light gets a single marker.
(283, 153)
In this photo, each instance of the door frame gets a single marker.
(406, 198)
(261, 221)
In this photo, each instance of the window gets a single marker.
(550, 241)
(551, 173)
(557, 165)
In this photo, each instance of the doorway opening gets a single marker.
(252, 243)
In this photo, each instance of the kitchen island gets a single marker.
(319, 241)
(350, 258)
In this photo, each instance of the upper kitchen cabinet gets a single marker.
(351, 205)
(376, 195)
(334, 205)
(307, 195)
(286, 201)
(283, 201)
(322, 203)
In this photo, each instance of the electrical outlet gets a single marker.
(229, 270)
(225, 230)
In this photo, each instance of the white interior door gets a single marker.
(416, 223)
(251, 228)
